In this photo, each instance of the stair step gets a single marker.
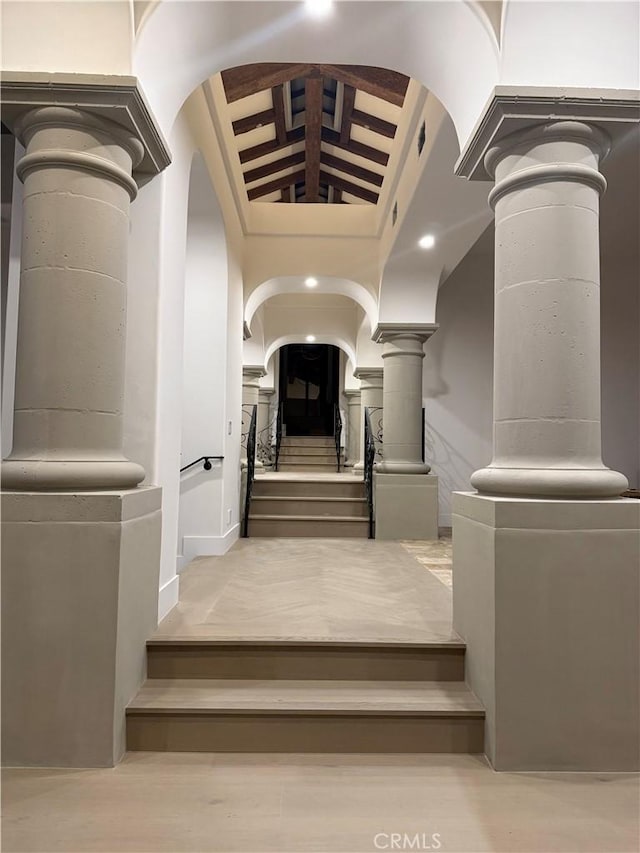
(284, 505)
(293, 451)
(307, 465)
(296, 487)
(206, 715)
(308, 441)
(310, 526)
(315, 660)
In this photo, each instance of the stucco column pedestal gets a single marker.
(406, 495)
(370, 398)
(546, 557)
(71, 324)
(251, 376)
(264, 421)
(354, 426)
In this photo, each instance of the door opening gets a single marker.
(309, 387)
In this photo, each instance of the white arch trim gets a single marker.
(326, 284)
(334, 340)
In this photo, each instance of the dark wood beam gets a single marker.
(348, 187)
(244, 125)
(273, 168)
(313, 130)
(293, 136)
(278, 107)
(245, 80)
(275, 185)
(332, 137)
(348, 100)
(377, 125)
(351, 169)
(389, 85)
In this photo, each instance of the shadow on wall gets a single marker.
(452, 468)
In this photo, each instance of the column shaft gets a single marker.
(71, 327)
(354, 427)
(547, 316)
(250, 397)
(371, 397)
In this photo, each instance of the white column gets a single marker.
(72, 313)
(402, 398)
(370, 398)
(547, 315)
(251, 376)
(354, 426)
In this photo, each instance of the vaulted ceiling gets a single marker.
(314, 133)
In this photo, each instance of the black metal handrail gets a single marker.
(369, 457)
(376, 417)
(337, 431)
(279, 432)
(251, 469)
(207, 462)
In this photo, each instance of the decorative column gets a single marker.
(406, 495)
(370, 398)
(265, 435)
(546, 591)
(547, 315)
(402, 400)
(354, 426)
(251, 376)
(71, 328)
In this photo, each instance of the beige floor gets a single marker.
(338, 804)
(338, 589)
(315, 589)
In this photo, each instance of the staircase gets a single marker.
(315, 454)
(306, 505)
(294, 696)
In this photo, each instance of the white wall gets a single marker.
(202, 527)
(458, 377)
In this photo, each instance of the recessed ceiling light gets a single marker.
(311, 281)
(427, 242)
(318, 8)
(310, 339)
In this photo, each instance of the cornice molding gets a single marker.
(514, 108)
(387, 331)
(113, 97)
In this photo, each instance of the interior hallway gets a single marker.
(318, 590)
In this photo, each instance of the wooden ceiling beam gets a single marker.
(377, 125)
(351, 169)
(245, 80)
(348, 187)
(274, 167)
(332, 137)
(313, 131)
(293, 136)
(348, 101)
(388, 85)
(275, 185)
(244, 125)
(280, 119)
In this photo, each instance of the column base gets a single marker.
(565, 483)
(77, 475)
(546, 596)
(80, 599)
(391, 467)
(406, 506)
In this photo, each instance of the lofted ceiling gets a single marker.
(314, 133)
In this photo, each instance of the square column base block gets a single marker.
(406, 506)
(79, 600)
(546, 596)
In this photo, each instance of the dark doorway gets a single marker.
(309, 376)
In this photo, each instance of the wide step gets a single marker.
(309, 506)
(310, 526)
(304, 716)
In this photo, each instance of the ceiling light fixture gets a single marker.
(427, 242)
(311, 281)
(310, 339)
(318, 8)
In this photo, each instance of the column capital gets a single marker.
(253, 371)
(117, 99)
(514, 109)
(386, 332)
(352, 393)
(369, 374)
(267, 392)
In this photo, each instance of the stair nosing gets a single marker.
(349, 518)
(433, 645)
